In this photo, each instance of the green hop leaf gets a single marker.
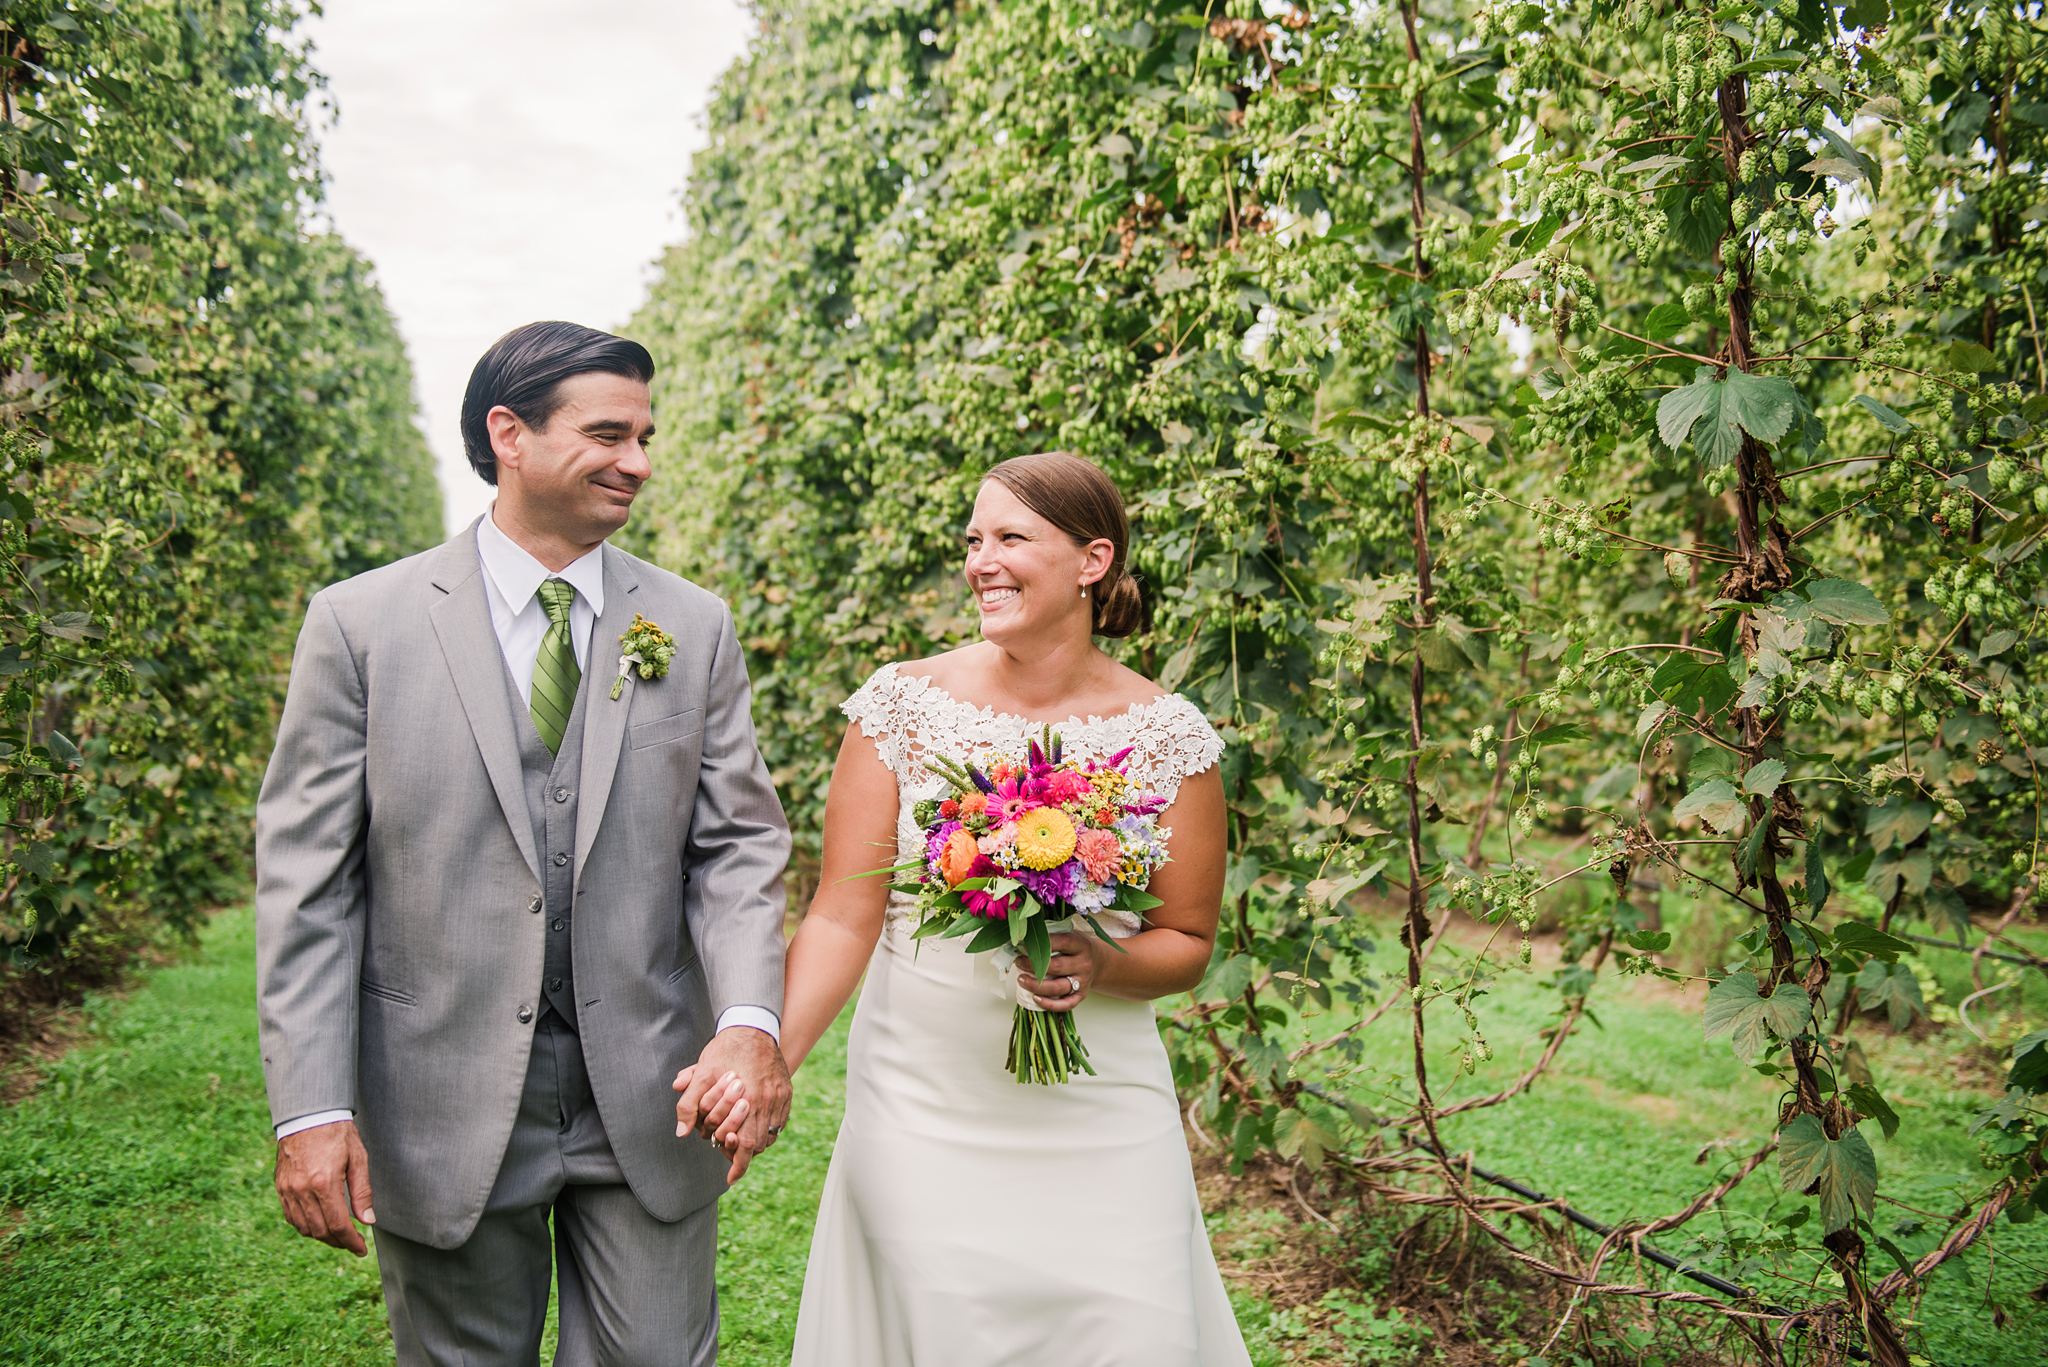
(1733, 1005)
(1842, 1172)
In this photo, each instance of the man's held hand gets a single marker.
(736, 1094)
(323, 1177)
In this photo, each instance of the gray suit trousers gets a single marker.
(635, 1291)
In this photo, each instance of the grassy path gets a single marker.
(138, 1225)
(137, 1222)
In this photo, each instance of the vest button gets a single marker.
(559, 923)
(560, 860)
(554, 984)
(533, 903)
(561, 794)
(525, 1014)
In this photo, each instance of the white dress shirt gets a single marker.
(512, 580)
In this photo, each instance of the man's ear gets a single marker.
(507, 433)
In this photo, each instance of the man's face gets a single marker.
(577, 477)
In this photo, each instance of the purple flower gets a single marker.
(1052, 885)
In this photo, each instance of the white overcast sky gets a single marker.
(503, 161)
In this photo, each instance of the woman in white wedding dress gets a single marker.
(967, 1220)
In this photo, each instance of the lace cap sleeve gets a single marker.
(877, 708)
(1174, 744)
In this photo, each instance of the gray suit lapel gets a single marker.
(604, 721)
(462, 621)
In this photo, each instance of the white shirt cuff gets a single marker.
(307, 1122)
(757, 1017)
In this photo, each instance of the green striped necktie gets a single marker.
(555, 674)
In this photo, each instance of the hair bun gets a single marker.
(1122, 610)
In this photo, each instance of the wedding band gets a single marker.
(775, 1129)
(1077, 985)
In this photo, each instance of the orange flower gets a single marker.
(973, 804)
(958, 857)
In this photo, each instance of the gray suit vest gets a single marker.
(550, 782)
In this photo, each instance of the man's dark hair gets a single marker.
(524, 371)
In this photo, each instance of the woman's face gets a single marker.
(1026, 574)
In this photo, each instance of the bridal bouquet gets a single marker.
(1021, 849)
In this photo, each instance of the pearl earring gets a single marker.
(1084, 590)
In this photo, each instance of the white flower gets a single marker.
(1091, 897)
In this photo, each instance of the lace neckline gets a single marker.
(915, 685)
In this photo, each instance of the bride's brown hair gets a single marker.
(1075, 496)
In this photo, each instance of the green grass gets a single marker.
(138, 1224)
(141, 1225)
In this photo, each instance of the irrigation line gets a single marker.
(1587, 1222)
(2027, 959)
(1654, 1254)
(1720, 1285)
(1579, 1218)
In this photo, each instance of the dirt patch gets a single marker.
(43, 1017)
(40, 1036)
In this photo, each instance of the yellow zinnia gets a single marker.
(1045, 838)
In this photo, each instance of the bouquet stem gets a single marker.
(1045, 1047)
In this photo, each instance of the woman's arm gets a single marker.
(1172, 953)
(831, 948)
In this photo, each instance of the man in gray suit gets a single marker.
(501, 903)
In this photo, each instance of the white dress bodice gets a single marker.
(912, 719)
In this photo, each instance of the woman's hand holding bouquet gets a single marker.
(1020, 846)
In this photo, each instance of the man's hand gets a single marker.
(323, 1175)
(737, 1093)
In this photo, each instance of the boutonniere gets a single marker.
(647, 646)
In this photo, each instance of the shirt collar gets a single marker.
(518, 575)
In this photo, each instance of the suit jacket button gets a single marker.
(534, 903)
(525, 1014)
(561, 794)
(560, 860)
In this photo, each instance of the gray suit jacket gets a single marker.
(396, 869)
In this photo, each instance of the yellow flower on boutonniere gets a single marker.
(647, 646)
